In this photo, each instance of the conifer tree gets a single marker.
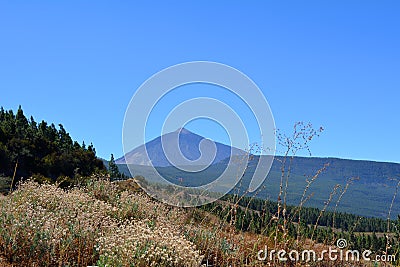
(113, 168)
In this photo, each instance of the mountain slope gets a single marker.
(371, 195)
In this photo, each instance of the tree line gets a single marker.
(310, 215)
(257, 216)
(28, 148)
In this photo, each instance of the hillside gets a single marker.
(371, 195)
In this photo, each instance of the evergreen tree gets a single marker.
(113, 168)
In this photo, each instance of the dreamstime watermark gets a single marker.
(153, 90)
(338, 253)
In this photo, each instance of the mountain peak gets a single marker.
(183, 130)
(152, 153)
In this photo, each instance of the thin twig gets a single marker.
(349, 182)
(388, 217)
(15, 172)
(324, 209)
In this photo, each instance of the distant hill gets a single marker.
(188, 145)
(369, 196)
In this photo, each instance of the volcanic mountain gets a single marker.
(370, 195)
(180, 142)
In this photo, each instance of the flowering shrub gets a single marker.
(141, 243)
(43, 225)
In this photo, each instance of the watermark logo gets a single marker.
(338, 253)
(153, 90)
(341, 243)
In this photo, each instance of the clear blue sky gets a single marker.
(333, 63)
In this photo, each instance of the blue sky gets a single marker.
(333, 63)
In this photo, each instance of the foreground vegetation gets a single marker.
(43, 225)
(115, 224)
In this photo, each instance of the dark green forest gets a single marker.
(42, 150)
